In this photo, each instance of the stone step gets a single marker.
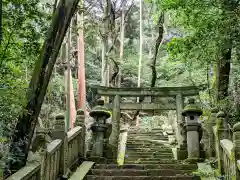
(137, 159)
(144, 143)
(162, 161)
(148, 149)
(145, 133)
(134, 153)
(148, 138)
(136, 137)
(137, 172)
(151, 146)
(92, 177)
(159, 156)
(137, 143)
(148, 131)
(154, 129)
(147, 166)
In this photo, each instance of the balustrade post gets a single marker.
(236, 147)
(211, 123)
(80, 121)
(180, 120)
(122, 144)
(194, 129)
(221, 134)
(99, 127)
(60, 133)
(44, 158)
(181, 134)
(114, 137)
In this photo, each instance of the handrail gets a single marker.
(73, 133)
(27, 172)
(238, 164)
(228, 159)
(227, 146)
(54, 146)
(74, 142)
(215, 130)
(122, 145)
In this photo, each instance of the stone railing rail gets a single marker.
(226, 146)
(58, 157)
(228, 160)
(122, 145)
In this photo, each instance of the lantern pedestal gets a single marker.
(194, 129)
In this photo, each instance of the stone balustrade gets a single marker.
(224, 144)
(55, 159)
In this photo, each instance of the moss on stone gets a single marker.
(214, 110)
(236, 127)
(80, 112)
(192, 108)
(219, 123)
(220, 114)
(100, 111)
(60, 116)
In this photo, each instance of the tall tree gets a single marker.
(69, 91)
(159, 41)
(1, 22)
(24, 130)
(140, 53)
(81, 61)
(121, 46)
(105, 40)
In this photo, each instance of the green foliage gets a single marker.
(24, 24)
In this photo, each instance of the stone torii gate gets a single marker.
(175, 92)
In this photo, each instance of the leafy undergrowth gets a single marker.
(206, 172)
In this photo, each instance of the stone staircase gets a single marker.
(145, 160)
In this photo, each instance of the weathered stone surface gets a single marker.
(214, 110)
(145, 160)
(143, 178)
(160, 92)
(221, 114)
(137, 172)
(147, 106)
(99, 128)
(135, 153)
(147, 166)
(192, 108)
(236, 127)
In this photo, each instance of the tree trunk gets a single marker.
(1, 22)
(140, 55)
(24, 130)
(105, 39)
(158, 43)
(81, 63)
(140, 46)
(121, 48)
(67, 80)
(223, 71)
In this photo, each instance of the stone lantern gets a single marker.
(194, 129)
(100, 114)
